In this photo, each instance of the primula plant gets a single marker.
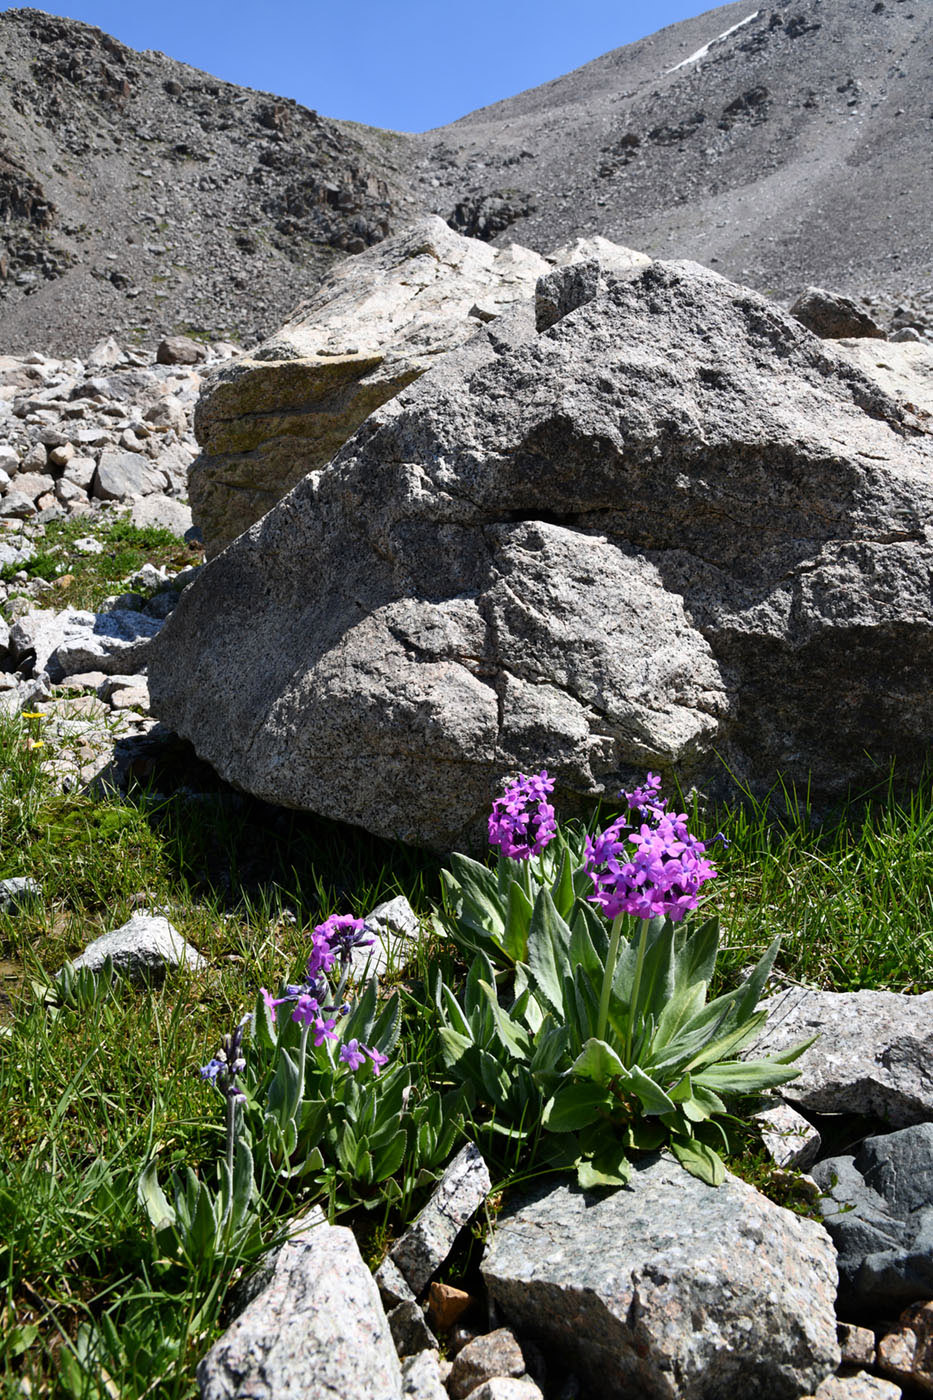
(604, 1043)
(314, 1105)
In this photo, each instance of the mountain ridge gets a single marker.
(782, 146)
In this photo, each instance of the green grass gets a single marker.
(851, 892)
(88, 1307)
(84, 580)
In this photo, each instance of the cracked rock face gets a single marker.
(670, 1289)
(669, 528)
(376, 323)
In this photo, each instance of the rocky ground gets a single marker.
(93, 459)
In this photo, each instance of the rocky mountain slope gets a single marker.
(140, 195)
(794, 148)
(781, 146)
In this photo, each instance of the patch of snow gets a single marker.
(702, 52)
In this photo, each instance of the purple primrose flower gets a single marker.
(341, 933)
(377, 1058)
(352, 1054)
(656, 870)
(522, 822)
(324, 1030)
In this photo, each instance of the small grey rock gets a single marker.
(789, 1139)
(410, 1332)
(180, 350)
(508, 1388)
(861, 1386)
(393, 1288)
(873, 1055)
(831, 316)
(163, 511)
(429, 1239)
(142, 948)
(18, 891)
(422, 1378)
(669, 1277)
(122, 476)
(394, 926)
(15, 505)
(493, 1354)
(564, 290)
(857, 1344)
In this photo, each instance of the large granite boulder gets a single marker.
(670, 1289)
(671, 530)
(376, 322)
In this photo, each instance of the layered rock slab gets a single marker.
(670, 1288)
(671, 528)
(376, 323)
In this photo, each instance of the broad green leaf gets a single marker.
(562, 890)
(657, 974)
(793, 1052)
(576, 1105)
(598, 1061)
(699, 1160)
(694, 962)
(385, 1029)
(653, 1098)
(512, 1035)
(517, 921)
(591, 1178)
(153, 1198)
(583, 954)
(496, 1079)
(586, 916)
(749, 993)
(730, 1043)
(243, 1182)
(526, 1008)
(390, 1158)
(549, 1050)
(451, 1010)
(709, 1101)
(646, 1135)
(479, 893)
(285, 1089)
(581, 1006)
(609, 1167)
(744, 1076)
(454, 1046)
(548, 951)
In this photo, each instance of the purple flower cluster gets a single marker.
(522, 822)
(223, 1069)
(658, 869)
(311, 1000)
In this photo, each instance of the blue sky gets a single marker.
(406, 64)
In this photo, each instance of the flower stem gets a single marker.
(526, 878)
(231, 1131)
(611, 959)
(636, 984)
